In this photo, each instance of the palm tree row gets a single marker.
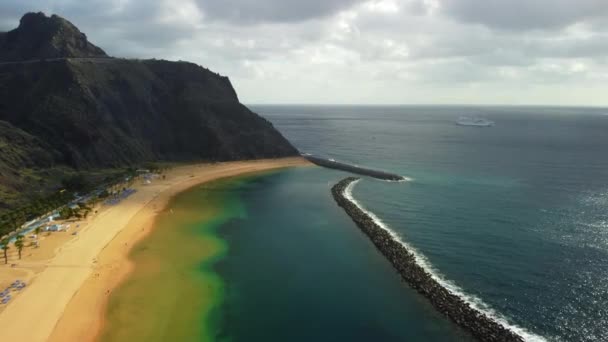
(16, 218)
(82, 211)
(12, 220)
(5, 246)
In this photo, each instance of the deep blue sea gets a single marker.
(515, 216)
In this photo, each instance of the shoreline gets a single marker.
(404, 261)
(66, 301)
(173, 292)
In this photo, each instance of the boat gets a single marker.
(472, 121)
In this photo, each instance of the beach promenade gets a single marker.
(65, 301)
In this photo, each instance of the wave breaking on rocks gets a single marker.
(447, 298)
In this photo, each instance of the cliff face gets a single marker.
(118, 112)
(95, 111)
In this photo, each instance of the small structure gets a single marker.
(53, 216)
(54, 228)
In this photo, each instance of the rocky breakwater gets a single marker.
(404, 261)
(332, 164)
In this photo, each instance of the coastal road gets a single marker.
(89, 59)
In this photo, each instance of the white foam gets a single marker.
(475, 302)
(402, 180)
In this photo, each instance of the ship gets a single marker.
(472, 121)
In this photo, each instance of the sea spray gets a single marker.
(466, 311)
(421, 260)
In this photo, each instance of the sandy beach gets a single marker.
(71, 276)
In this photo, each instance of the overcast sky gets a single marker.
(363, 51)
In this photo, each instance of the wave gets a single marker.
(403, 179)
(475, 302)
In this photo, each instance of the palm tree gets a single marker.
(19, 244)
(4, 246)
(37, 232)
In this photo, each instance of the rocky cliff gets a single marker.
(39, 36)
(86, 110)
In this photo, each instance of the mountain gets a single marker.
(70, 105)
(39, 36)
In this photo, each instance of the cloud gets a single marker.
(254, 11)
(362, 51)
(524, 14)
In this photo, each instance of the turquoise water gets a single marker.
(514, 215)
(173, 293)
(298, 270)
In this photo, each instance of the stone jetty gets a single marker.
(332, 164)
(452, 306)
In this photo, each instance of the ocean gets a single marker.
(515, 215)
(513, 218)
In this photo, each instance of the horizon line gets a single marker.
(425, 105)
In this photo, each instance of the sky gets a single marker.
(514, 52)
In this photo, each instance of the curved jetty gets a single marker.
(404, 261)
(332, 164)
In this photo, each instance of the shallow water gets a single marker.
(173, 293)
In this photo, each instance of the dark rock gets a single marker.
(119, 112)
(42, 37)
(332, 164)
